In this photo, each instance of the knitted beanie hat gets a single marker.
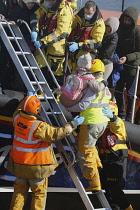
(84, 61)
(29, 1)
(113, 22)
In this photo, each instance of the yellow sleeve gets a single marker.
(47, 133)
(64, 21)
(118, 128)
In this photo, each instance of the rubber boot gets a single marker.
(129, 208)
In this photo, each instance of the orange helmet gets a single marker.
(113, 107)
(30, 104)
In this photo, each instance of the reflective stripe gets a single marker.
(98, 105)
(29, 141)
(55, 37)
(31, 150)
(99, 102)
(91, 44)
(25, 141)
(32, 130)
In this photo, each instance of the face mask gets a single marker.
(88, 17)
(47, 4)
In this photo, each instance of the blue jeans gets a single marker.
(129, 81)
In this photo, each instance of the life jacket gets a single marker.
(109, 140)
(80, 34)
(48, 25)
(26, 149)
(111, 149)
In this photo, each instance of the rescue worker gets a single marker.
(32, 158)
(52, 25)
(87, 33)
(113, 152)
(92, 128)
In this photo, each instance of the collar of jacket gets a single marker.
(32, 116)
(58, 6)
(80, 16)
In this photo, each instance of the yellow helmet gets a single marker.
(97, 65)
(113, 107)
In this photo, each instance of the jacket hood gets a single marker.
(132, 12)
(113, 22)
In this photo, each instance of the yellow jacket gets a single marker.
(46, 133)
(56, 40)
(97, 30)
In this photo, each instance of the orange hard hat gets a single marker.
(30, 104)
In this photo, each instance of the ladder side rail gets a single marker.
(15, 27)
(17, 64)
(80, 188)
(15, 57)
(103, 200)
(10, 26)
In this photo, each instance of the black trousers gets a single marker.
(113, 182)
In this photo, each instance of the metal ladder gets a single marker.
(11, 37)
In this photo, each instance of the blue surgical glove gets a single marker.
(78, 120)
(30, 92)
(107, 112)
(37, 44)
(73, 47)
(34, 35)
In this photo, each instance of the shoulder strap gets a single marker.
(120, 141)
(81, 75)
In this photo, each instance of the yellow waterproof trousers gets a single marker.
(39, 193)
(88, 154)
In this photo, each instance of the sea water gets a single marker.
(113, 5)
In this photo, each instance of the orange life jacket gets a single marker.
(27, 149)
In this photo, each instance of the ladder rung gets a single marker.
(35, 83)
(103, 209)
(29, 67)
(13, 38)
(42, 97)
(53, 113)
(21, 53)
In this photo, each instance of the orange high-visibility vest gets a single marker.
(26, 148)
